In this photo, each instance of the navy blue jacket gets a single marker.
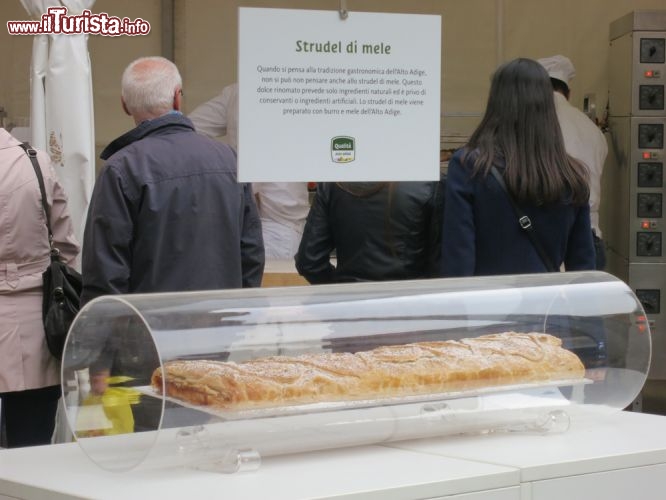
(167, 214)
(481, 235)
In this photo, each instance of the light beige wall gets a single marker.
(14, 71)
(110, 55)
(476, 36)
(207, 33)
(576, 28)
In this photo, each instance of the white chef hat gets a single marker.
(559, 67)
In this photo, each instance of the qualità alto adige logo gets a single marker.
(343, 149)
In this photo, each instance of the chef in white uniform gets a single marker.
(582, 139)
(283, 206)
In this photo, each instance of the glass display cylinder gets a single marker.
(118, 354)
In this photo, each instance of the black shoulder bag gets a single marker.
(62, 284)
(525, 222)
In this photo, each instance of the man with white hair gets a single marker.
(167, 212)
(582, 139)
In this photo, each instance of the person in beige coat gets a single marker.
(29, 375)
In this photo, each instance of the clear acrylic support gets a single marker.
(194, 442)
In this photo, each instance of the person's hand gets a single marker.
(99, 382)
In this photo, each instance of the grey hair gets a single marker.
(148, 85)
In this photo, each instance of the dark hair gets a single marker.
(520, 127)
(368, 189)
(362, 189)
(560, 86)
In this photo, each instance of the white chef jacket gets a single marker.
(219, 116)
(584, 141)
(283, 206)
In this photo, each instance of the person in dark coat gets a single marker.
(167, 213)
(519, 135)
(379, 231)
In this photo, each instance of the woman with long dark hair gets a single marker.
(520, 136)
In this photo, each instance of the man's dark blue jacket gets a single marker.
(167, 214)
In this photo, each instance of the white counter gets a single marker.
(616, 456)
(371, 472)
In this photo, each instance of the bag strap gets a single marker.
(524, 221)
(32, 154)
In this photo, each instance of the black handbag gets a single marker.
(62, 284)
